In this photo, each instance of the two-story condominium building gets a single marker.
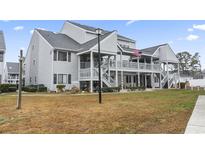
(70, 57)
(2, 55)
(11, 73)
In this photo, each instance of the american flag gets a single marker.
(136, 53)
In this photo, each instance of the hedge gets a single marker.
(4, 88)
(35, 88)
(110, 89)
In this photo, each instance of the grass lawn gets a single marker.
(163, 111)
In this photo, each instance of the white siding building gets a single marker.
(70, 58)
(11, 73)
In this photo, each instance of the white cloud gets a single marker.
(199, 27)
(192, 37)
(190, 29)
(18, 28)
(131, 22)
(31, 31)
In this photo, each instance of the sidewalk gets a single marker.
(196, 124)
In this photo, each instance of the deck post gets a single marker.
(109, 68)
(160, 80)
(138, 66)
(145, 80)
(122, 82)
(152, 75)
(91, 71)
(116, 72)
(79, 70)
(179, 77)
(167, 75)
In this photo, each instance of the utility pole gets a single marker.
(99, 31)
(20, 80)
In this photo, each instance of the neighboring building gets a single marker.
(70, 57)
(2, 55)
(11, 73)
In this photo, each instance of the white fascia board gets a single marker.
(105, 52)
(80, 53)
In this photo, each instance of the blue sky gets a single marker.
(181, 35)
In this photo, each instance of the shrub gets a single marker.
(140, 88)
(30, 88)
(110, 89)
(4, 88)
(74, 90)
(60, 87)
(182, 85)
(41, 88)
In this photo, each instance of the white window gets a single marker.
(62, 78)
(62, 56)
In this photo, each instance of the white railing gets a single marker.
(85, 73)
(134, 66)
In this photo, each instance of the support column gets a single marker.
(91, 71)
(116, 72)
(109, 68)
(179, 76)
(132, 79)
(145, 77)
(138, 66)
(122, 82)
(160, 80)
(152, 75)
(168, 74)
(79, 70)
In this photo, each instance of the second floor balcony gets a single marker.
(125, 65)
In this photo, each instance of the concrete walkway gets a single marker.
(196, 124)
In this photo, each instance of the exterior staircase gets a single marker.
(106, 79)
(168, 80)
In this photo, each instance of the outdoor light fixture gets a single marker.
(99, 32)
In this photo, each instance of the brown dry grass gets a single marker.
(165, 111)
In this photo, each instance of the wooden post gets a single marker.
(20, 80)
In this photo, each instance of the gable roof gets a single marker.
(2, 41)
(12, 67)
(59, 40)
(93, 29)
(87, 45)
(62, 41)
(151, 50)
